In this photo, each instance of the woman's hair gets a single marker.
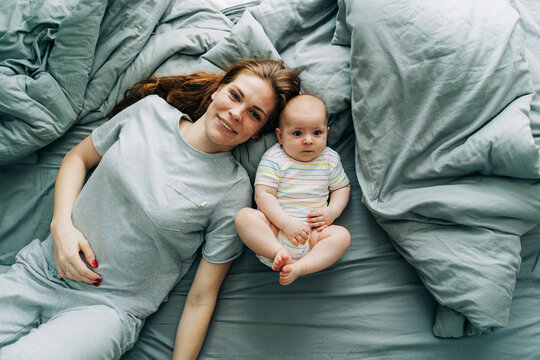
(192, 93)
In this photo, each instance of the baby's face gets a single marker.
(303, 134)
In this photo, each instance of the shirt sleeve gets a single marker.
(338, 177)
(108, 133)
(268, 170)
(222, 243)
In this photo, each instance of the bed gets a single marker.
(433, 106)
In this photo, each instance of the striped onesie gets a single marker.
(301, 186)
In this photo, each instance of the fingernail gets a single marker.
(96, 283)
(94, 263)
(99, 280)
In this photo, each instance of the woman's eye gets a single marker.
(256, 115)
(235, 95)
(297, 133)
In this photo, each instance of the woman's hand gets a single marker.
(296, 232)
(68, 243)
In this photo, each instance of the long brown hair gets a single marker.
(192, 93)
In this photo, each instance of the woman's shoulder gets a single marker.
(153, 110)
(153, 105)
(158, 103)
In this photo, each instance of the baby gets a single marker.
(300, 189)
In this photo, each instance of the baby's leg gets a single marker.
(259, 234)
(327, 247)
(281, 259)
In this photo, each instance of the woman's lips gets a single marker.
(226, 125)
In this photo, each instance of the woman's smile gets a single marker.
(226, 125)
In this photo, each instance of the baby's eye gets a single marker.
(297, 133)
(317, 132)
(256, 115)
(234, 95)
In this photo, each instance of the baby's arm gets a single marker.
(265, 197)
(323, 217)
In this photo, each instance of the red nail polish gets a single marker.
(94, 263)
(96, 283)
(99, 280)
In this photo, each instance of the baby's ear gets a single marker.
(279, 135)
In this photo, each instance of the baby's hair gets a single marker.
(305, 95)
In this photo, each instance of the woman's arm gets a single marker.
(67, 240)
(198, 309)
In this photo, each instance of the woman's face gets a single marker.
(238, 111)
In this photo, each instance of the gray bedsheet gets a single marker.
(387, 297)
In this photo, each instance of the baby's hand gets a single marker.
(296, 232)
(321, 218)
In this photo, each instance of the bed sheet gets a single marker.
(370, 305)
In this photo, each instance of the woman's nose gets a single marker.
(236, 113)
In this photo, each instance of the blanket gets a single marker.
(446, 157)
(68, 62)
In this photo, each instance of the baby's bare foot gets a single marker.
(281, 259)
(289, 273)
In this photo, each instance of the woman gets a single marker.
(164, 187)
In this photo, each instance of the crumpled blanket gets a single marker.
(447, 160)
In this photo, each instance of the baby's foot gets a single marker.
(289, 273)
(281, 259)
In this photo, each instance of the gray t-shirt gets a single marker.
(152, 202)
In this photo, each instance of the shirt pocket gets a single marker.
(179, 208)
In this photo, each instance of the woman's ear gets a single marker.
(214, 93)
(279, 136)
(256, 136)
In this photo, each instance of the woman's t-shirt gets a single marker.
(152, 201)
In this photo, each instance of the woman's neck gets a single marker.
(194, 133)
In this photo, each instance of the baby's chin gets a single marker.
(306, 156)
